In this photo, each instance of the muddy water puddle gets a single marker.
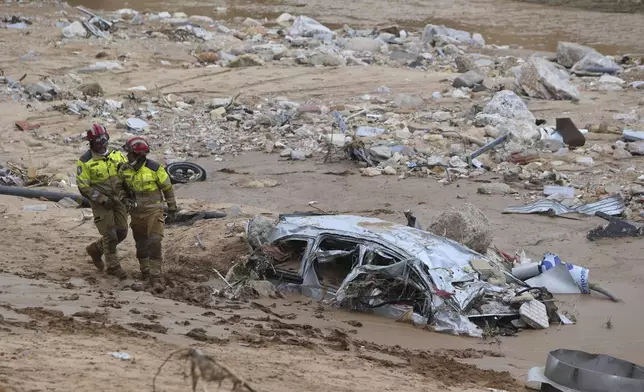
(529, 26)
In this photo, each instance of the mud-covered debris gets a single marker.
(252, 289)
(157, 328)
(495, 188)
(466, 224)
(258, 230)
(201, 335)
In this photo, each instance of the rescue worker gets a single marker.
(147, 184)
(97, 179)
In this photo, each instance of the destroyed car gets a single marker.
(373, 265)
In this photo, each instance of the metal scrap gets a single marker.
(613, 205)
(578, 371)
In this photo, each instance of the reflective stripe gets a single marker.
(146, 184)
(100, 172)
(148, 197)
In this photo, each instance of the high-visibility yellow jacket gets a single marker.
(97, 176)
(149, 184)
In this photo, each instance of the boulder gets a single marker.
(75, 30)
(609, 79)
(380, 153)
(431, 31)
(303, 26)
(363, 44)
(636, 148)
(569, 53)
(539, 78)
(468, 79)
(507, 105)
(465, 224)
(593, 61)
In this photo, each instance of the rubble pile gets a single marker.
(387, 131)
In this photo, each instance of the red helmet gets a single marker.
(137, 145)
(97, 131)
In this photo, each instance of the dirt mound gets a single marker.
(195, 251)
(56, 321)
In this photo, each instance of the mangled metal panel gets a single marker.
(441, 266)
(613, 205)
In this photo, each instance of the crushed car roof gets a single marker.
(432, 250)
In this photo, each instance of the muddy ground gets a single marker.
(60, 318)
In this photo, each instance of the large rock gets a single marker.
(593, 60)
(636, 148)
(539, 78)
(75, 30)
(465, 224)
(468, 79)
(507, 113)
(380, 153)
(507, 105)
(569, 53)
(431, 31)
(303, 26)
(363, 44)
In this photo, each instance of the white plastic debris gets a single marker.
(121, 355)
(35, 208)
(534, 314)
(136, 124)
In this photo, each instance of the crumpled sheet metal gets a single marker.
(613, 205)
(441, 264)
(579, 371)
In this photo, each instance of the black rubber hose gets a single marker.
(41, 194)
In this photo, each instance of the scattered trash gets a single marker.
(616, 228)
(123, 356)
(184, 172)
(579, 371)
(567, 191)
(631, 135)
(67, 202)
(136, 124)
(17, 26)
(25, 126)
(35, 208)
(613, 205)
(566, 132)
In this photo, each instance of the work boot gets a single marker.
(118, 272)
(144, 264)
(156, 284)
(97, 256)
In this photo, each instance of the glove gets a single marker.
(172, 211)
(129, 204)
